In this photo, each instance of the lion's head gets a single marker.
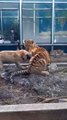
(25, 55)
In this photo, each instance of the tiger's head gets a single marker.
(29, 44)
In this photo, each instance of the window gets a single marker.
(28, 21)
(10, 20)
(36, 20)
(43, 22)
(60, 23)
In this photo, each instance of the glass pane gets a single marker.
(27, 5)
(43, 23)
(60, 23)
(5, 5)
(38, 0)
(0, 25)
(9, 0)
(61, 0)
(43, 13)
(42, 5)
(27, 19)
(43, 30)
(0, 22)
(9, 13)
(27, 10)
(10, 23)
(27, 13)
(61, 6)
(28, 28)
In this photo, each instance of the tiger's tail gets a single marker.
(20, 72)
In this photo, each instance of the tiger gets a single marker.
(34, 49)
(17, 57)
(38, 62)
(57, 52)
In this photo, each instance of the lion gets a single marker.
(16, 57)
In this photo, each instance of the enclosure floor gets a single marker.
(34, 88)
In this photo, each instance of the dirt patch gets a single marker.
(34, 88)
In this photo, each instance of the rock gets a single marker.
(52, 67)
(24, 82)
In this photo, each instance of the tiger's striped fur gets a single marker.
(34, 67)
(34, 49)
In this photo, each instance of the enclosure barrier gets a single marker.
(48, 111)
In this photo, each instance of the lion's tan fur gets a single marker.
(12, 57)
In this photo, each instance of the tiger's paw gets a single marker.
(45, 73)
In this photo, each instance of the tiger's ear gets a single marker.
(24, 41)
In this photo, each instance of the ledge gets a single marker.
(33, 107)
